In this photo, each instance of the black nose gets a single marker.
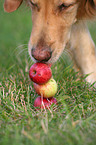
(41, 54)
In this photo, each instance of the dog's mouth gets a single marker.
(46, 54)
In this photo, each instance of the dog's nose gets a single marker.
(42, 54)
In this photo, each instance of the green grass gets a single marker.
(71, 122)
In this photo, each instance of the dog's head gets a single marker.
(52, 22)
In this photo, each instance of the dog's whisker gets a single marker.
(22, 51)
(19, 47)
(30, 61)
(22, 45)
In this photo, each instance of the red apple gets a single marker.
(46, 90)
(40, 73)
(44, 103)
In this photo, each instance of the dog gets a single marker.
(61, 23)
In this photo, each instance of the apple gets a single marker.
(40, 73)
(44, 102)
(46, 90)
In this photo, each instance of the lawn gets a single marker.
(71, 122)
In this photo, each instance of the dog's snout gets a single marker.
(41, 54)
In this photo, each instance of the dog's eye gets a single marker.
(33, 4)
(64, 6)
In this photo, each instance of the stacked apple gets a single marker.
(44, 85)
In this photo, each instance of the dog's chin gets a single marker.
(50, 61)
(54, 58)
(55, 55)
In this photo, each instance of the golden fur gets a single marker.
(57, 23)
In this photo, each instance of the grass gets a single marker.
(71, 122)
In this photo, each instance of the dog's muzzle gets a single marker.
(42, 54)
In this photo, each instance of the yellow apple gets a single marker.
(46, 90)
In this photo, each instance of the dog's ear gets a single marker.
(86, 9)
(91, 8)
(11, 5)
(94, 2)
